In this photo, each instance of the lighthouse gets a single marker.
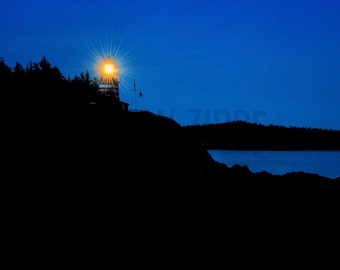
(109, 83)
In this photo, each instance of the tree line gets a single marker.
(240, 135)
(41, 84)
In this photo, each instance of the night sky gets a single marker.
(198, 62)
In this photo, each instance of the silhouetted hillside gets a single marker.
(243, 135)
(60, 147)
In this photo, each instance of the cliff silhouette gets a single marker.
(63, 145)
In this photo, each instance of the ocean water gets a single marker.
(324, 163)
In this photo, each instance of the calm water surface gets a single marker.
(325, 163)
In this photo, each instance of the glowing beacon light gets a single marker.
(109, 82)
(109, 69)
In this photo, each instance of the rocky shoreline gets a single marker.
(154, 150)
(94, 155)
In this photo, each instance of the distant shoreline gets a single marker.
(324, 163)
(241, 135)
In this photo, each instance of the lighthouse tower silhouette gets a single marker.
(109, 81)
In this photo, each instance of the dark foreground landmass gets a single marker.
(97, 147)
(81, 181)
(61, 147)
(92, 182)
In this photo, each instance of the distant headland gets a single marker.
(241, 135)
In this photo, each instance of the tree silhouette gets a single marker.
(41, 85)
(5, 72)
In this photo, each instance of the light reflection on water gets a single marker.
(324, 163)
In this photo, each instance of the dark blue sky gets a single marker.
(271, 62)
